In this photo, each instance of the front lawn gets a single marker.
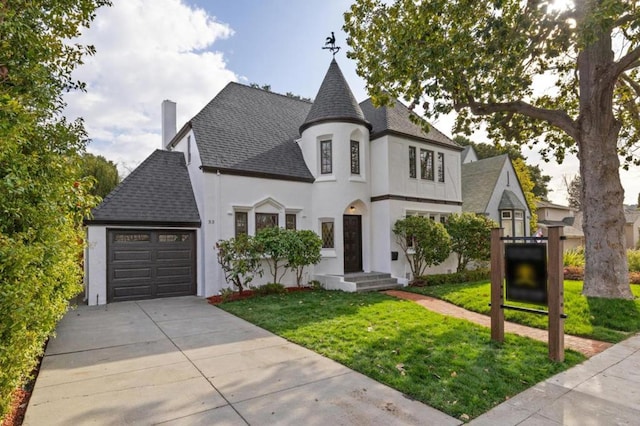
(447, 363)
(601, 319)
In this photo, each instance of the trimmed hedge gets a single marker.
(453, 278)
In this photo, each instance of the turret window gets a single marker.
(326, 160)
(355, 157)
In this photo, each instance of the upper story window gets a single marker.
(412, 162)
(426, 164)
(242, 225)
(266, 220)
(326, 160)
(355, 157)
(290, 220)
(440, 167)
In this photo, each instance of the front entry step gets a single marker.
(372, 281)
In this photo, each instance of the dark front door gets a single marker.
(352, 232)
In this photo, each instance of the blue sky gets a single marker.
(188, 50)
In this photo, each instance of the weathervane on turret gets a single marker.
(330, 44)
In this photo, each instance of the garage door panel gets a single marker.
(137, 273)
(131, 255)
(144, 264)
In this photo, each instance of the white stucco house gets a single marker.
(252, 158)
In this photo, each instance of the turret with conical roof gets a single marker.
(334, 102)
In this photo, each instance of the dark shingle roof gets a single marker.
(334, 101)
(479, 181)
(157, 192)
(245, 129)
(510, 201)
(396, 119)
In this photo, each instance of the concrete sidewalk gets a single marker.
(604, 390)
(181, 361)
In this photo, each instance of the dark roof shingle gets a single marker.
(334, 101)
(479, 180)
(397, 119)
(157, 192)
(251, 130)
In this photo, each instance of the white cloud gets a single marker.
(147, 51)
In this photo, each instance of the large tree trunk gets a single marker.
(606, 270)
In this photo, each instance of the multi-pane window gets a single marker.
(266, 220)
(412, 161)
(241, 223)
(426, 164)
(440, 167)
(173, 237)
(326, 161)
(355, 157)
(290, 219)
(131, 238)
(327, 234)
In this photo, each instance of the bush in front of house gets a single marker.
(633, 257)
(423, 241)
(574, 257)
(470, 237)
(240, 259)
(466, 276)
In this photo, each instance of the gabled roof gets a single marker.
(334, 101)
(157, 192)
(631, 216)
(250, 131)
(479, 180)
(541, 204)
(397, 119)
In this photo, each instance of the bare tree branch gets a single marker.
(626, 63)
(558, 118)
(632, 83)
(624, 19)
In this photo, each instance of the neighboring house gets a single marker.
(550, 214)
(251, 159)
(491, 187)
(632, 228)
(468, 155)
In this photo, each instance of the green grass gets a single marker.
(608, 320)
(447, 363)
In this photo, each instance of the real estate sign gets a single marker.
(526, 272)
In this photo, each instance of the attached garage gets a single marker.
(142, 238)
(145, 264)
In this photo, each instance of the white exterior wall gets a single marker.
(390, 176)
(96, 265)
(339, 193)
(508, 179)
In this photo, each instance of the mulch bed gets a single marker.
(247, 294)
(20, 399)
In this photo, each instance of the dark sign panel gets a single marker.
(526, 272)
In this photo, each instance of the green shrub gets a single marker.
(633, 257)
(454, 278)
(270, 288)
(574, 257)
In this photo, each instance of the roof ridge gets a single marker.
(270, 92)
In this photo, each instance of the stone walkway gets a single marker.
(588, 347)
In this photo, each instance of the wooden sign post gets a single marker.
(534, 275)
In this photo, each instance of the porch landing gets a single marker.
(359, 282)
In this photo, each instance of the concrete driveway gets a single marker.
(181, 361)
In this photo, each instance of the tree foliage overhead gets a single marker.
(532, 71)
(42, 201)
(103, 171)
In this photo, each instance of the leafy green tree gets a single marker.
(103, 171)
(484, 150)
(527, 185)
(304, 248)
(274, 245)
(482, 58)
(423, 241)
(240, 259)
(42, 200)
(470, 237)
